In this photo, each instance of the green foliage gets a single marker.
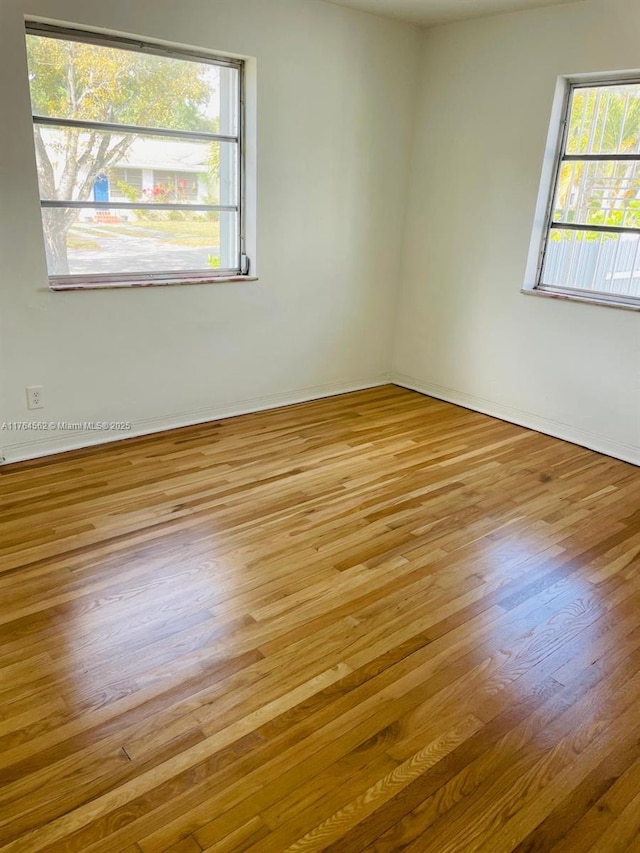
(558, 236)
(213, 173)
(146, 215)
(213, 261)
(130, 192)
(93, 83)
(604, 120)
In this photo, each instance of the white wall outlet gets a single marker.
(35, 397)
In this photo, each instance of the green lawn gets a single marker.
(78, 241)
(190, 234)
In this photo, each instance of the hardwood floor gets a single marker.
(376, 622)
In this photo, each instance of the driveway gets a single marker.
(119, 253)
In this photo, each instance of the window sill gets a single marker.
(128, 285)
(589, 300)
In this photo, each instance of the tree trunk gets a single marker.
(56, 228)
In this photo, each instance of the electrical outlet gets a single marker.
(35, 397)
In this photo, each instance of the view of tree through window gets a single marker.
(593, 243)
(138, 159)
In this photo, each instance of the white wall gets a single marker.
(334, 111)
(336, 101)
(464, 330)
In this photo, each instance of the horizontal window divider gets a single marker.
(605, 229)
(133, 205)
(601, 158)
(50, 121)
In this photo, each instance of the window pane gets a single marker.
(123, 180)
(599, 193)
(105, 168)
(593, 261)
(605, 120)
(81, 165)
(89, 82)
(97, 241)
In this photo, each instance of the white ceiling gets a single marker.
(430, 12)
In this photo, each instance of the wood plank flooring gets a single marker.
(376, 622)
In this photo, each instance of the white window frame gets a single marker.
(80, 281)
(555, 157)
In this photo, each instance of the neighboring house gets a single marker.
(154, 169)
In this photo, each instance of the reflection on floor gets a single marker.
(375, 622)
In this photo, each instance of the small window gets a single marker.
(139, 158)
(592, 239)
(177, 186)
(124, 184)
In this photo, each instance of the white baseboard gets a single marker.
(62, 442)
(557, 429)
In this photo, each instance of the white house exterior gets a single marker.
(178, 169)
(152, 169)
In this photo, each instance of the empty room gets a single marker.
(319, 426)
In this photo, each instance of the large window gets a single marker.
(139, 159)
(592, 239)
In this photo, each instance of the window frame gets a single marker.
(84, 281)
(570, 85)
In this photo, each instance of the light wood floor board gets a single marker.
(376, 622)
